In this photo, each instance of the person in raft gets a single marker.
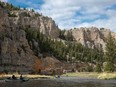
(13, 77)
(21, 77)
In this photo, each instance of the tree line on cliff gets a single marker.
(72, 52)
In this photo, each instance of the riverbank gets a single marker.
(4, 76)
(103, 75)
(91, 75)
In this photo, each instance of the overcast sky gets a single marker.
(75, 13)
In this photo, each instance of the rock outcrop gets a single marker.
(14, 48)
(28, 19)
(15, 52)
(90, 37)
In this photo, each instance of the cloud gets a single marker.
(108, 23)
(76, 13)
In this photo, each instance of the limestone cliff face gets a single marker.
(15, 52)
(90, 37)
(14, 48)
(28, 19)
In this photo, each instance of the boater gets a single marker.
(13, 77)
(21, 77)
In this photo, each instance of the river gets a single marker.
(61, 82)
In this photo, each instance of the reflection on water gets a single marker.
(62, 82)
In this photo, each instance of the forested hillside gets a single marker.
(27, 38)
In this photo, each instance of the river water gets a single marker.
(61, 82)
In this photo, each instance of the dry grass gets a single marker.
(93, 75)
(82, 74)
(3, 76)
(107, 76)
(77, 74)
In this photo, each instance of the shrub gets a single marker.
(12, 15)
(98, 68)
(109, 67)
(89, 68)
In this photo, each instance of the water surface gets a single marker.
(61, 82)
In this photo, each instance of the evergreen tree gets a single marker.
(32, 10)
(61, 34)
(98, 68)
(110, 54)
(109, 67)
(89, 68)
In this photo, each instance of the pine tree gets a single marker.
(98, 68)
(32, 10)
(89, 68)
(109, 67)
(110, 54)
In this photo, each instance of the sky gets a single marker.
(75, 13)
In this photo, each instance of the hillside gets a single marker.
(31, 42)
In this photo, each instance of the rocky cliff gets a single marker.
(91, 37)
(15, 52)
(29, 19)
